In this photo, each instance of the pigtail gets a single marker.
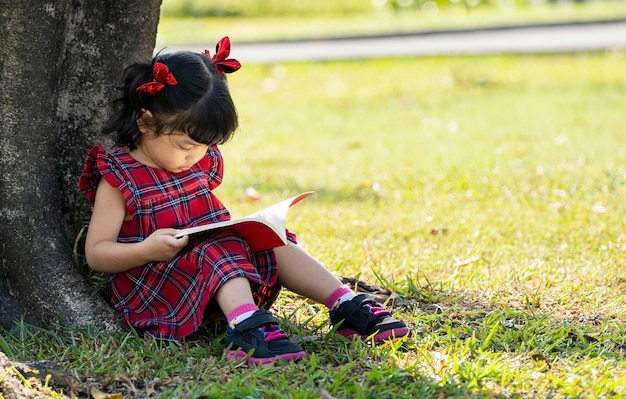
(123, 121)
(185, 92)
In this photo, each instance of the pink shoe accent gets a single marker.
(276, 334)
(378, 311)
(347, 333)
(391, 334)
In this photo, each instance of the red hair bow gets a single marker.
(162, 77)
(220, 60)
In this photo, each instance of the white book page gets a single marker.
(274, 216)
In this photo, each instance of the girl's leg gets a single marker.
(359, 315)
(233, 294)
(303, 274)
(253, 334)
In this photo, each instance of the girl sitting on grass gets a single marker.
(173, 113)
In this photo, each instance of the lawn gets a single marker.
(487, 192)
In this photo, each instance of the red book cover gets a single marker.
(264, 229)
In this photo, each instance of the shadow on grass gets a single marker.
(462, 325)
(467, 329)
(519, 330)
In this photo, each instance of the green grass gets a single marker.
(488, 192)
(175, 31)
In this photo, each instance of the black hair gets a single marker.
(199, 104)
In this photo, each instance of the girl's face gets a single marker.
(175, 152)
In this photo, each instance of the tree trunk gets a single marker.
(60, 64)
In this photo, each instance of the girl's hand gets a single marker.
(162, 246)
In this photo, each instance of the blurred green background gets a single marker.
(253, 8)
(196, 21)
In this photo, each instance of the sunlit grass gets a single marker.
(488, 192)
(420, 164)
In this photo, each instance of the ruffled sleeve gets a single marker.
(88, 182)
(101, 164)
(213, 165)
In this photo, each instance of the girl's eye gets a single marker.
(185, 147)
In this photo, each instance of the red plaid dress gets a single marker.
(168, 300)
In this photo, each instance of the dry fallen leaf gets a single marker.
(467, 261)
(96, 394)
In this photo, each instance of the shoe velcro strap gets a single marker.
(259, 318)
(358, 316)
(364, 299)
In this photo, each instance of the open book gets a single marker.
(264, 229)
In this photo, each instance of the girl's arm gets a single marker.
(105, 254)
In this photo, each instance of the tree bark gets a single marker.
(60, 65)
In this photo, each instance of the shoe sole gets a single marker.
(379, 337)
(238, 354)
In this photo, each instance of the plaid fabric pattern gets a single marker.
(168, 300)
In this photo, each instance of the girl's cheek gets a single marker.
(199, 154)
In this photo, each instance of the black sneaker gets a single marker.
(260, 334)
(364, 317)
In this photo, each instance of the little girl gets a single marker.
(172, 114)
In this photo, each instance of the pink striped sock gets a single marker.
(341, 294)
(240, 313)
